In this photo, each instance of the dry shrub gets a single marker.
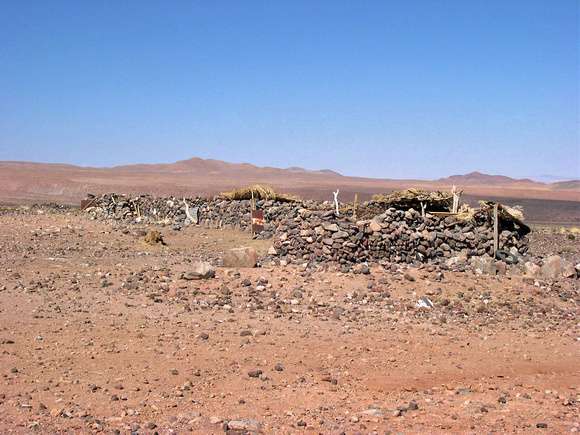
(153, 238)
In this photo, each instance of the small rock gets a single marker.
(485, 265)
(374, 411)
(247, 425)
(201, 270)
(413, 406)
(255, 373)
(501, 268)
(240, 257)
(424, 303)
(531, 269)
(569, 270)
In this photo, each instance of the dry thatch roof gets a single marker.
(412, 198)
(505, 213)
(260, 192)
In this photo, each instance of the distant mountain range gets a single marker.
(479, 179)
(215, 168)
(211, 167)
(29, 182)
(549, 179)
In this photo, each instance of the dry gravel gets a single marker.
(100, 334)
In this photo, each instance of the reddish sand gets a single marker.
(99, 333)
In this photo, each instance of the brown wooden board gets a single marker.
(86, 203)
(257, 221)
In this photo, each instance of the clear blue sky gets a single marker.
(387, 89)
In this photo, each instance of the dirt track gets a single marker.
(99, 333)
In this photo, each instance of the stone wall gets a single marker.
(396, 236)
(311, 230)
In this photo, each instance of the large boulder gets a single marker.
(555, 267)
(240, 257)
(552, 267)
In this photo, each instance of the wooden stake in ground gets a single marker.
(336, 201)
(188, 214)
(495, 229)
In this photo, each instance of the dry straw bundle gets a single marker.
(412, 198)
(260, 192)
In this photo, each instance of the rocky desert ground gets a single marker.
(103, 333)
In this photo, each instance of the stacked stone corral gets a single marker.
(311, 230)
(396, 236)
(215, 212)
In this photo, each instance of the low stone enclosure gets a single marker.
(312, 231)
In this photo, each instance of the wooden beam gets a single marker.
(495, 229)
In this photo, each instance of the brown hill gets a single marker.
(218, 168)
(479, 179)
(566, 185)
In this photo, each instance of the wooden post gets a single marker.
(455, 199)
(354, 208)
(495, 229)
(253, 201)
